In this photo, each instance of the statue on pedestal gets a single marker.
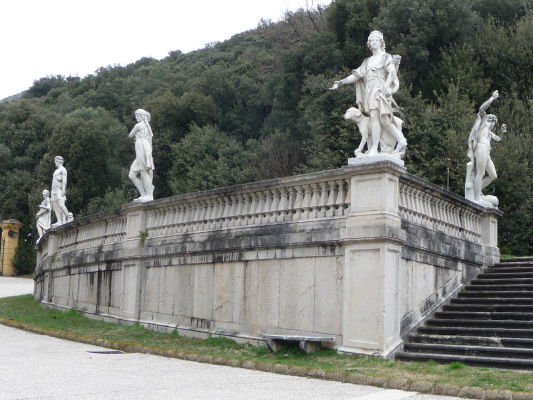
(142, 168)
(58, 195)
(44, 216)
(480, 170)
(376, 81)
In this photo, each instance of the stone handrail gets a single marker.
(293, 199)
(94, 232)
(432, 207)
(249, 205)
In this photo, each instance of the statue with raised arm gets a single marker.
(142, 168)
(480, 170)
(59, 190)
(43, 216)
(376, 81)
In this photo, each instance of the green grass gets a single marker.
(26, 310)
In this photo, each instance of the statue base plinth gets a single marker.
(364, 159)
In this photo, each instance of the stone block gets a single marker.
(328, 295)
(224, 292)
(296, 296)
(167, 288)
(183, 294)
(203, 291)
(268, 294)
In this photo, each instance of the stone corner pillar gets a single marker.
(8, 246)
(373, 241)
(489, 235)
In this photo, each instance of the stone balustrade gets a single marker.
(270, 203)
(427, 205)
(92, 232)
(361, 253)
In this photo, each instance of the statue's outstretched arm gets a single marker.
(346, 81)
(486, 104)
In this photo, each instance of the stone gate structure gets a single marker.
(362, 253)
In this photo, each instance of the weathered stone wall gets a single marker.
(361, 253)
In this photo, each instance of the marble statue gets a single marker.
(376, 81)
(480, 170)
(59, 190)
(43, 216)
(142, 168)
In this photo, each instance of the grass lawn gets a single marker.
(26, 310)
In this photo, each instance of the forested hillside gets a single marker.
(257, 106)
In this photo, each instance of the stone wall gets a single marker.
(362, 253)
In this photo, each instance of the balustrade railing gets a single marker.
(269, 204)
(295, 199)
(106, 230)
(420, 206)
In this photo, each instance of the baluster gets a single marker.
(330, 202)
(232, 221)
(298, 203)
(307, 203)
(251, 219)
(342, 196)
(283, 205)
(323, 200)
(265, 213)
(210, 213)
(226, 205)
(240, 198)
(261, 199)
(273, 209)
(315, 198)
(291, 199)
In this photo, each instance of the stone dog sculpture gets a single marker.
(387, 143)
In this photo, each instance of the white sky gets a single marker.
(75, 37)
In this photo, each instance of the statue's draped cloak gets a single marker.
(143, 148)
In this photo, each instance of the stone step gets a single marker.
(504, 275)
(482, 323)
(493, 301)
(467, 350)
(510, 363)
(516, 259)
(501, 281)
(501, 287)
(473, 307)
(481, 315)
(496, 293)
(510, 268)
(476, 331)
(472, 340)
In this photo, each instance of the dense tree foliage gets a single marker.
(257, 106)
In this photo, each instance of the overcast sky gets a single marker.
(75, 37)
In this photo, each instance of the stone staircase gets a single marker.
(489, 323)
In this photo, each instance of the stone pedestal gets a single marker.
(373, 240)
(8, 246)
(489, 235)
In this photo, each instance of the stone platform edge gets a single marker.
(316, 373)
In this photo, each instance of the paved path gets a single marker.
(41, 367)
(15, 286)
